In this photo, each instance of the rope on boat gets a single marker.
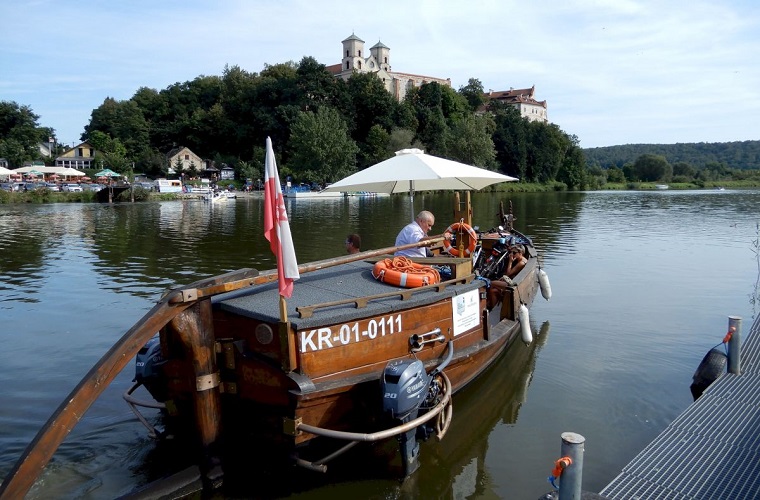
(394, 431)
(134, 402)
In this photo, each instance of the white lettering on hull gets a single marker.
(347, 333)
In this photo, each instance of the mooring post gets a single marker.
(572, 475)
(195, 329)
(734, 345)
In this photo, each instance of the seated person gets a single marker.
(353, 243)
(515, 263)
(414, 232)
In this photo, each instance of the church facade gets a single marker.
(355, 59)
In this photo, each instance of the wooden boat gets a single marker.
(354, 361)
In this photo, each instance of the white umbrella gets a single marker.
(412, 169)
(70, 172)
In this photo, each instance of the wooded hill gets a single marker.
(740, 155)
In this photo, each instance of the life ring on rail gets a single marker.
(457, 227)
(401, 271)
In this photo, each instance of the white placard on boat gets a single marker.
(466, 311)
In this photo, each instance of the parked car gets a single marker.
(93, 187)
(72, 188)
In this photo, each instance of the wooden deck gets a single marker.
(712, 450)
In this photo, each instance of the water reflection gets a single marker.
(642, 284)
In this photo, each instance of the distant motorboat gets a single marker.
(215, 197)
(661, 186)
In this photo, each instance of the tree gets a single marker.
(683, 169)
(247, 170)
(371, 104)
(401, 138)
(122, 120)
(109, 152)
(615, 174)
(19, 133)
(470, 141)
(320, 147)
(510, 139)
(546, 150)
(572, 170)
(375, 148)
(650, 168)
(474, 94)
(426, 103)
(178, 166)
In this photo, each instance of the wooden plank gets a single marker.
(72, 409)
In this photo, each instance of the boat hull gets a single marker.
(323, 366)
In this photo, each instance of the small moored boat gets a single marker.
(215, 196)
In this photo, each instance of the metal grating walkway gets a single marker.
(712, 450)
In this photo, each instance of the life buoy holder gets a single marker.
(401, 271)
(457, 227)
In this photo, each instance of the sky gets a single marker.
(612, 71)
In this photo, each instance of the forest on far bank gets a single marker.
(738, 155)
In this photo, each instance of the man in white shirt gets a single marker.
(414, 232)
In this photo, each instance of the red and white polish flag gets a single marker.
(276, 226)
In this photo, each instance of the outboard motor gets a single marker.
(405, 387)
(148, 363)
(408, 392)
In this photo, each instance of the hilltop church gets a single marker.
(356, 59)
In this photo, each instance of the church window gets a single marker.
(360, 65)
(360, 53)
(346, 53)
(346, 64)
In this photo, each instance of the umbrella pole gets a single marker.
(411, 198)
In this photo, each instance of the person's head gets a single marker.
(518, 249)
(425, 220)
(353, 243)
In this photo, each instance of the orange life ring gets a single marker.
(401, 271)
(457, 227)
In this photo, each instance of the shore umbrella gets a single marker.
(412, 170)
(107, 172)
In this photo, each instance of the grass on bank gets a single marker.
(141, 194)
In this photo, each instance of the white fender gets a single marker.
(543, 282)
(524, 316)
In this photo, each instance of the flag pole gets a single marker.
(283, 310)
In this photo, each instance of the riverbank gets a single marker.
(46, 196)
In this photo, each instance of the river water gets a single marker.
(643, 283)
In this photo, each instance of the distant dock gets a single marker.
(712, 450)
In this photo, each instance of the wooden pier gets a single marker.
(712, 450)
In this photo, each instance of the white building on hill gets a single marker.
(355, 59)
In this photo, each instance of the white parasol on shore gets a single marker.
(413, 170)
(5, 172)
